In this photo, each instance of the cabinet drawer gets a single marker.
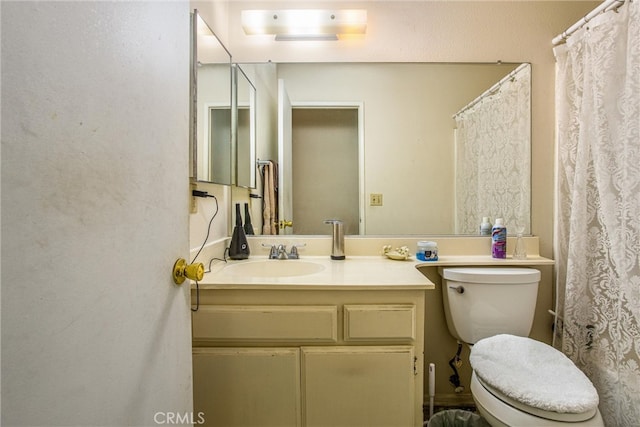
(266, 323)
(391, 322)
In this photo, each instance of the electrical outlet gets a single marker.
(375, 199)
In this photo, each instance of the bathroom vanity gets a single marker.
(341, 343)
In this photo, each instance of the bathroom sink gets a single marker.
(273, 268)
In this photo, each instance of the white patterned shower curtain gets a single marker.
(493, 145)
(598, 208)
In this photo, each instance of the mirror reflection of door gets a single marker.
(219, 148)
(244, 178)
(325, 168)
(285, 174)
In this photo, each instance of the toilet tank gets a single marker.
(482, 302)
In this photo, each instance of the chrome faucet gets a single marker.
(337, 246)
(273, 251)
(294, 252)
(280, 251)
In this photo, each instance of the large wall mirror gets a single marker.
(432, 147)
(211, 88)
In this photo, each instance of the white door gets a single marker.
(285, 165)
(94, 213)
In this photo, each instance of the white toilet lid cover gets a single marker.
(533, 373)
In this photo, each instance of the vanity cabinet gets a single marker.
(309, 357)
(358, 386)
(247, 386)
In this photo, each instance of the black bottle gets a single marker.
(239, 248)
(248, 227)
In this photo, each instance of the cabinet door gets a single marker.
(358, 386)
(247, 386)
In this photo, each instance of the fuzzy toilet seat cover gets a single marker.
(533, 373)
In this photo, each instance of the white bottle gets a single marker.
(485, 227)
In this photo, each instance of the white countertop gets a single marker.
(485, 260)
(361, 272)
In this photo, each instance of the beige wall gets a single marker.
(449, 31)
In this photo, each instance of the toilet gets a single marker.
(516, 381)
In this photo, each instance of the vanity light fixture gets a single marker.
(304, 24)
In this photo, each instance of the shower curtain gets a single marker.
(598, 208)
(493, 148)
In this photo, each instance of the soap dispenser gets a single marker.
(337, 246)
(239, 248)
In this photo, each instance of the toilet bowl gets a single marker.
(516, 381)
